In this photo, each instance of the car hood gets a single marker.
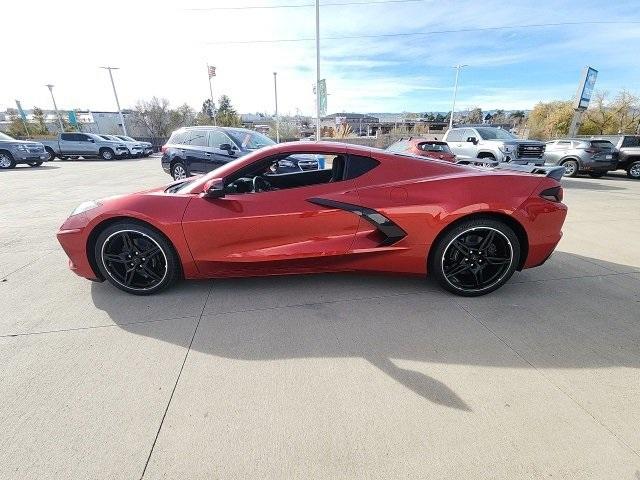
(21, 142)
(514, 142)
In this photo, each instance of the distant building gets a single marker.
(361, 124)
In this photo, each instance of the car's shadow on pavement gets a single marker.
(394, 321)
(23, 168)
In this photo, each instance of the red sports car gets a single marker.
(369, 210)
(423, 148)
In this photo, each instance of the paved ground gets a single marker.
(317, 376)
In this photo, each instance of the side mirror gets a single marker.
(91, 140)
(214, 188)
(227, 147)
(473, 140)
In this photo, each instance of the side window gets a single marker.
(399, 146)
(563, 144)
(176, 138)
(217, 138)
(357, 165)
(82, 138)
(67, 137)
(199, 138)
(467, 132)
(455, 135)
(631, 142)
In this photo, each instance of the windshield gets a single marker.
(494, 134)
(5, 137)
(249, 140)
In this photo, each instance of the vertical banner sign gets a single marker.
(73, 118)
(322, 96)
(21, 111)
(585, 89)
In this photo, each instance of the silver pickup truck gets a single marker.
(493, 144)
(84, 145)
(14, 151)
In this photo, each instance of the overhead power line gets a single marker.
(301, 5)
(431, 32)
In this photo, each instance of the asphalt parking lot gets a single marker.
(324, 376)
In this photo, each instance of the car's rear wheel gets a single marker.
(476, 257)
(634, 170)
(50, 154)
(570, 168)
(136, 258)
(179, 171)
(6, 160)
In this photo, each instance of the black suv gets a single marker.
(628, 147)
(193, 150)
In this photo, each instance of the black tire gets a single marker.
(52, 155)
(121, 261)
(177, 170)
(480, 267)
(106, 154)
(597, 174)
(633, 171)
(6, 160)
(35, 164)
(571, 168)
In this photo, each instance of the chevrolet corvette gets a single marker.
(469, 227)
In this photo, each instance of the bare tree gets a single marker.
(598, 118)
(154, 115)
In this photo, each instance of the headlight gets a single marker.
(21, 148)
(507, 148)
(85, 207)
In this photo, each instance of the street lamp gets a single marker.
(50, 87)
(124, 127)
(317, 69)
(455, 92)
(275, 92)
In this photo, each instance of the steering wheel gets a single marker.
(260, 184)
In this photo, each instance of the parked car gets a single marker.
(628, 147)
(85, 145)
(14, 151)
(493, 143)
(135, 149)
(147, 147)
(424, 148)
(595, 157)
(193, 150)
(368, 210)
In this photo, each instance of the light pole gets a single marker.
(317, 69)
(50, 87)
(455, 92)
(124, 127)
(275, 93)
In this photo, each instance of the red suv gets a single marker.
(423, 148)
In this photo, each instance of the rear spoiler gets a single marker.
(552, 171)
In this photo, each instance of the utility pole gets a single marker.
(275, 92)
(50, 87)
(115, 93)
(455, 93)
(317, 69)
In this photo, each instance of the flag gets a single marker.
(21, 111)
(212, 71)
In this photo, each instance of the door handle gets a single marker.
(207, 154)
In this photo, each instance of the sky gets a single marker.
(162, 49)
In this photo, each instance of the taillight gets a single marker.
(163, 148)
(553, 194)
(592, 150)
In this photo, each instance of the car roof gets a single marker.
(214, 127)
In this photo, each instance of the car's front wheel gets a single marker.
(136, 258)
(634, 170)
(476, 257)
(179, 171)
(106, 154)
(6, 160)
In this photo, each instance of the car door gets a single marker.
(468, 149)
(455, 142)
(273, 231)
(86, 145)
(556, 151)
(217, 156)
(196, 146)
(68, 144)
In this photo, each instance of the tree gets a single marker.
(226, 115)
(550, 120)
(517, 117)
(41, 124)
(499, 117)
(598, 118)
(159, 120)
(626, 112)
(475, 116)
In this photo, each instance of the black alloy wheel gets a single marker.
(476, 257)
(136, 258)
